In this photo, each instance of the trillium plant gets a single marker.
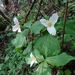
(39, 46)
(16, 27)
(49, 24)
(33, 59)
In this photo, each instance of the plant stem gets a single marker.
(64, 24)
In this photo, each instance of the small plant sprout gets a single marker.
(33, 59)
(16, 27)
(50, 23)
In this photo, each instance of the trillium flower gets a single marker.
(50, 23)
(16, 27)
(33, 59)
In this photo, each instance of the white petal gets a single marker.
(31, 55)
(19, 30)
(15, 28)
(53, 19)
(32, 62)
(51, 30)
(44, 22)
(15, 21)
(2, 5)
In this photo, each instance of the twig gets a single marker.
(39, 6)
(8, 20)
(28, 12)
(64, 24)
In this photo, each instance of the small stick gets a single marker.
(39, 6)
(28, 12)
(5, 17)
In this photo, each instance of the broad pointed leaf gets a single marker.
(36, 27)
(28, 49)
(47, 45)
(19, 41)
(60, 60)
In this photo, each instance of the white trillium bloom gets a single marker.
(16, 27)
(50, 23)
(33, 59)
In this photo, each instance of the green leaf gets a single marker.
(19, 50)
(47, 45)
(28, 49)
(59, 60)
(61, 72)
(67, 72)
(74, 71)
(70, 27)
(73, 45)
(28, 60)
(70, 31)
(6, 58)
(28, 24)
(25, 32)
(43, 69)
(64, 1)
(38, 56)
(36, 27)
(20, 64)
(1, 65)
(22, 13)
(67, 37)
(19, 41)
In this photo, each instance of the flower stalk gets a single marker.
(64, 24)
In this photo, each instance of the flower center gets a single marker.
(17, 25)
(49, 24)
(33, 58)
